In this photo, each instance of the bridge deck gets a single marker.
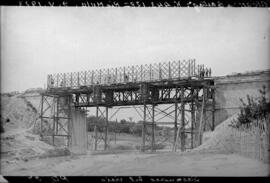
(122, 94)
(158, 72)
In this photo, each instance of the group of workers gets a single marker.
(204, 72)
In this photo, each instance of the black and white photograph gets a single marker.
(135, 91)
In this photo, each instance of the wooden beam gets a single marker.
(69, 122)
(176, 142)
(153, 128)
(175, 121)
(213, 110)
(95, 129)
(106, 130)
(54, 119)
(201, 119)
(192, 118)
(41, 116)
(143, 128)
(182, 120)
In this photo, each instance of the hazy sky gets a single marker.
(36, 41)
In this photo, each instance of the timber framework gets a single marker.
(187, 87)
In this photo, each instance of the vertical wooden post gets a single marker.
(136, 78)
(106, 130)
(41, 116)
(116, 75)
(57, 113)
(204, 109)
(77, 98)
(49, 80)
(192, 118)
(194, 67)
(69, 122)
(99, 76)
(201, 119)
(189, 68)
(85, 78)
(153, 128)
(78, 78)
(64, 79)
(141, 73)
(150, 73)
(169, 70)
(108, 77)
(115, 127)
(175, 121)
(159, 68)
(143, 128)
(132, 73)
(124, 75)
(213, 110)
(95, 129)
(54, 120)
(71, 80)
(182, 120)
(57, 80)
(92, 78)
(179, 69)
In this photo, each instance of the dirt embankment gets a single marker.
(219, 140)
(251, 141)
(20, 140)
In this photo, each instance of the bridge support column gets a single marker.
(78, 132)
(41, 117)
(192, 119)
(55, 118)
(143, 128)
(202, 117)
(56, 114)
(95, 129)
(153, 128)
(106, 130)
(182, 121)
(175, 122)
(213, 110)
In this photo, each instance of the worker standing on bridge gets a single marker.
(209, 72)
(109, 78)
(203, 72)
(52, 82)
(206, 72)
(200, 71)
(125, 78)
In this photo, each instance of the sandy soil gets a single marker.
(135, 163)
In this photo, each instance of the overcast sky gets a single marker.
(36, 41)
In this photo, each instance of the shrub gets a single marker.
(254, 109)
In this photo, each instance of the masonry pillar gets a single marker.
(78, 132)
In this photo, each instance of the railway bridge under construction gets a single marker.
(184, 85)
